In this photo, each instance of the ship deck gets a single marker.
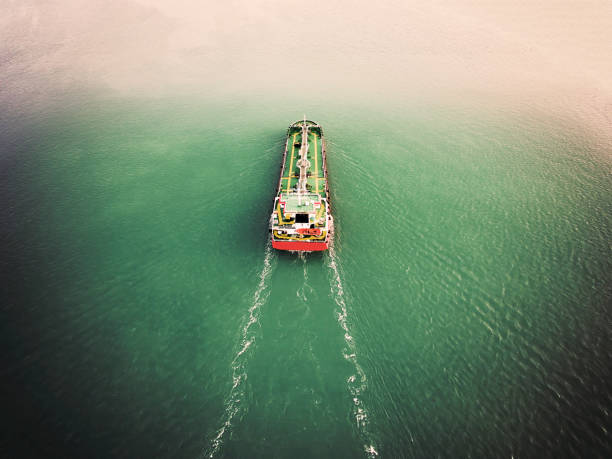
(316, 179)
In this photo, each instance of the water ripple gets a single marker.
(239, 363)
(357, 382)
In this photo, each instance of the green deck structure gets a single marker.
(293, 204)
(316, 180)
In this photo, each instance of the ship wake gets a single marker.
(357, 382)
(306, 289)
(236, 394)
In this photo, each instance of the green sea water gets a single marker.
(463, 310)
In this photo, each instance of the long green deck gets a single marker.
(291, 173)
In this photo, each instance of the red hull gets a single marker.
(300, 246)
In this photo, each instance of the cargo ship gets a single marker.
(301, 219)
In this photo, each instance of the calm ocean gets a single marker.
(462, 312)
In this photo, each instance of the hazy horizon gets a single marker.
(156, 45)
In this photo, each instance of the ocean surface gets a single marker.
(463, 310)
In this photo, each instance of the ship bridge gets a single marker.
(300, 204)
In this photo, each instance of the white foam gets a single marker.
(356, 383)
(239, 369)
(305, 289)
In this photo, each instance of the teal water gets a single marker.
(463, 311)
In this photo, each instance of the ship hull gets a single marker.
(299, 246)
(301, 218)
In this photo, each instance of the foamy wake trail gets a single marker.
(305, 290)
(357, 382)
(239, 363)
